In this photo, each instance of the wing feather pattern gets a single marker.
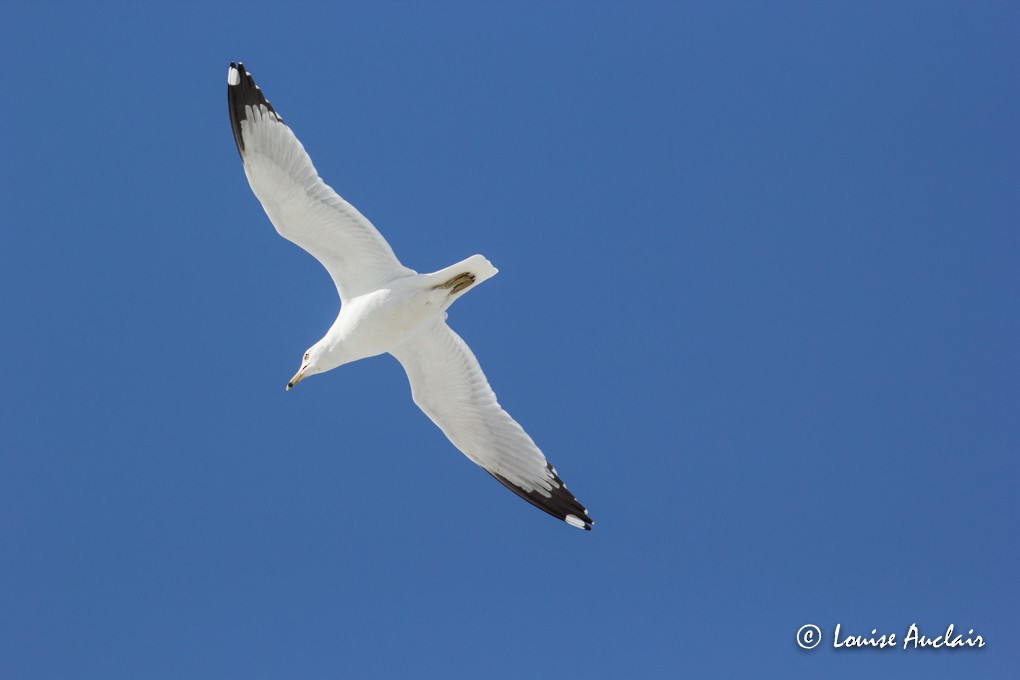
(447, 383)
(303, 208)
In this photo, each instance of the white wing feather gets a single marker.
(447, 383)
(303, 208)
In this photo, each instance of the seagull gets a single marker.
(386, 307)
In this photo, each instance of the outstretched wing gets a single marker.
(448, 385)
(302, 207)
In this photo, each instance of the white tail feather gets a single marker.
(477, 265)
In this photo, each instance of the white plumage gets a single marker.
(387, 307)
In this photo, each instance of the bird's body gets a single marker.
(389, 308)
(381, 320)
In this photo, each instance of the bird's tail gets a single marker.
(464, 275)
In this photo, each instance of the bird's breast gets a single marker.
(377, 322)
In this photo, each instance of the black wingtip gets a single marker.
(561, 504)
(242, 92)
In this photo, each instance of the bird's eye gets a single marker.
(306, 356)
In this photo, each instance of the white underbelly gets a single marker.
(379, 321)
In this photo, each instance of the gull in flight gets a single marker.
(387, 307)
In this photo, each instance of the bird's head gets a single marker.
(309, 366)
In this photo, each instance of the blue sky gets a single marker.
(757, 302)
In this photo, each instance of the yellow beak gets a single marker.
(298, 377)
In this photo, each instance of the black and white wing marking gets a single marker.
(303, 208)
(448, 385)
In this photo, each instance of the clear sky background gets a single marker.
(759, 303)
